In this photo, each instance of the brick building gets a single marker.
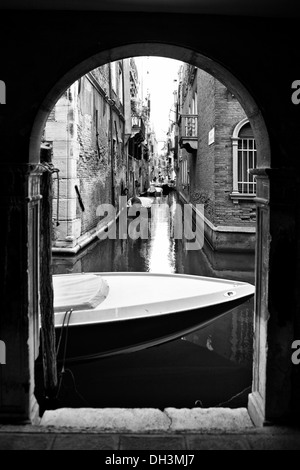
(216, 148)
(138, 133)
(98, 145)
(57, 58)
(86, 130)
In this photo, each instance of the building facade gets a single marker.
(98, 131)
(138, 131)
(86, 131)
(215, 151)
(266, 92)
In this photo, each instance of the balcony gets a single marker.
(188, 138)
(138, 127)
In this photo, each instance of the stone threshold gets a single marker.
(148, 420)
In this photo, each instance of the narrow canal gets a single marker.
(211, 367)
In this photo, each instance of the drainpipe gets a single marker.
(112, 159)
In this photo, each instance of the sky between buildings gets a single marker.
(159, 75)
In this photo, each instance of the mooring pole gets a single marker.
(48, 345)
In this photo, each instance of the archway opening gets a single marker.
(160, 50)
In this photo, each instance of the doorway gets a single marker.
(263, 160)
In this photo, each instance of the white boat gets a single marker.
(154, 190)
(145, 202)
(102, 314)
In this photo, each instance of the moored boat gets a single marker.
(154, 190)
(140, 201)
(103, 314)
(166, 188)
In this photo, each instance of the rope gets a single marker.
(62, 329)
(75, 387)
(232, 398)
(68, 313)
(66, 340)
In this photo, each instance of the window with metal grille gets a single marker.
(246, 161)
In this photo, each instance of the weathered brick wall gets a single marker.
(120, 158)
(101, 74)
(61, 132)
(93, 170)
(228, 113)
(203, 165)
(211, 171)
(94, 165)
(189, 87)
(80, 128)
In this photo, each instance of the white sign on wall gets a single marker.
(211, 136)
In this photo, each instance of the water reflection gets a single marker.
(229, 338)
(161, 257)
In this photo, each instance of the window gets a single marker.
(195, 104)
(244, 159)
(120, 83)
(190, 126)
(184, 173)
(113, 76)
(117, 79)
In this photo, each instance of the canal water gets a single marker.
(211, 367)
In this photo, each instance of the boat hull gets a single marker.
(91, 340)
(146, 203)
(166, 189)
(146, 212)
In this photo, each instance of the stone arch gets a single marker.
(234, 140)
(238, 127)
(164, 50)
(255, 117)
